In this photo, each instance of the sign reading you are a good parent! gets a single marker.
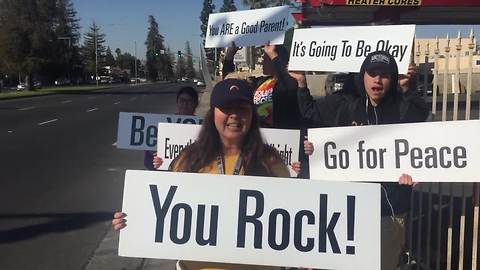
(429, 152)
(247, 27)
(138, 131)
(173, 138)
(343, 49)
(248, 220)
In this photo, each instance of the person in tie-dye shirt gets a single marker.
(274, 95)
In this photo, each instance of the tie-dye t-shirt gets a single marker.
(263, 100)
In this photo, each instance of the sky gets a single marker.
(125, 22)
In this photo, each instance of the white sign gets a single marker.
(247, 27)
(241, 56)
(251, 220)
(429, 152)
(138, 131)
(173, 138)
(343, 49)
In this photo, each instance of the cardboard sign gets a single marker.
(138, 131)
(429, 152)
(247, 27)
(173, 138)
(343, 49)
(251, 220)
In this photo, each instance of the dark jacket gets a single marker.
(286, 114)
(355, 109)
(285, 108)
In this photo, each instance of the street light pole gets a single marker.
(96, 52)
(136, 76)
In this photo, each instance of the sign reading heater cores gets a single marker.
(384, 2)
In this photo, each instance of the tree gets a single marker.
(254, 4)
(39, 38)
(66, 48)
(158, 65)
(170, 60)
(189, 69)
(25, 36)
(208, 8)
(228, 5)
(109, 59)
(180, 68)
(94, 57)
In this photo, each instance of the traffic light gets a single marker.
(179, 53)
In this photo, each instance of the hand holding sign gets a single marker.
(404, 80)
(270, 50)
(300, 77)
(157, 161)
(119, 222)
(231, 51)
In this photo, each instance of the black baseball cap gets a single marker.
(231, 91)
(380, 60)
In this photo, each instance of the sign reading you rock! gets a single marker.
(251, 220)
(343, 49)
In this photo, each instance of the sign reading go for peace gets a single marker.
(429, 152)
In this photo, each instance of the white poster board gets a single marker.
(247, 27)
(173, 138)
(343, 49)
(429, 152)
(138, 131)
(251, 220)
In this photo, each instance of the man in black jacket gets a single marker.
(381, 97)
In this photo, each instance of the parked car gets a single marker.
(200, 83)
(21, 86)
(59, 82)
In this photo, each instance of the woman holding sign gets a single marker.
(229, 143)
(384, 97)
(187, 103)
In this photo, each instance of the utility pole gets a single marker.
(96, 52)
(136, 76)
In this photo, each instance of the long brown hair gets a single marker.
(257, 156)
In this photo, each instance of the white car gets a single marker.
(200, 83)
(21, 86)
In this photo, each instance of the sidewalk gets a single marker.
(106, 256)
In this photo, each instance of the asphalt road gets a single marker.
(61, 177)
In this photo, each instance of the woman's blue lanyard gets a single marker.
(221, 165)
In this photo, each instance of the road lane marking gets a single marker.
(66, 101)
(92, 110)
(26, 108)
(10, 131)
(46, 122)
(116, 103)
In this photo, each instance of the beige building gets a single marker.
(427, 47)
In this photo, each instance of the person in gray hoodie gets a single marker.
(382, 96)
